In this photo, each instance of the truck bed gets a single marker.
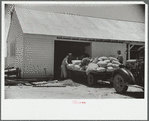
(100, 75)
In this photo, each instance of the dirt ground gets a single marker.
(69, 90)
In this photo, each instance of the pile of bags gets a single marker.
(98, 64)
(76, 65)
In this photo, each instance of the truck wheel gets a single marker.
(91, 80)
(119, 83)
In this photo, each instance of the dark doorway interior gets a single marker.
(133, 51)
(62, 48)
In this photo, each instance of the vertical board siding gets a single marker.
(108, 49)
(15, 35)
(38, 56)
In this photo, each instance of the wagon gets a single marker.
(92, 77)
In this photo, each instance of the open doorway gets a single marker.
(61, 50)
(133, 51)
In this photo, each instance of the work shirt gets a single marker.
(69, 59)
(64, 62)
(120, 59)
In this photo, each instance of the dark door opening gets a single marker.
(133, 51)
(61, 50)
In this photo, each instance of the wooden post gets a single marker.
(23, 70)
(128, 51)
(17, 72)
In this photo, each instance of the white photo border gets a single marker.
(56, 109)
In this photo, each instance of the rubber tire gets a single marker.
(118, 83)
(91, 80)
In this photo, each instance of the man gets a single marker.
(65, 62)
(120, 57)
(69, 58)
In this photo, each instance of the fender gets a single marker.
(125, 73)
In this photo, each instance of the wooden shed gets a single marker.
(39, 40)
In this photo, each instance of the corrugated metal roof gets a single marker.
(46, 23)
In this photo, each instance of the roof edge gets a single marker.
(88, 39)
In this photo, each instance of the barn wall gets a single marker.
(15, 35)
(38, 56)
(108, 49)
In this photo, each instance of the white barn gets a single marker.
(38, 40)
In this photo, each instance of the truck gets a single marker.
(131, 73)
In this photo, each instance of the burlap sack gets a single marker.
(91, 67)
(104, 58)
(70, 66)
(76, 67)
(102, 64)
(110, 69)
(101, 69)
(112, 58)
(115, 65)
(109, 65)
(116, 62)
(99, 59)
(107, 61)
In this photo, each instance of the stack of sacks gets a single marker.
(109, 67)
(99, 64)
(75, 65)
(76, 62)
(91, 67)
(102, 63)
(114, 63)
(107, 64)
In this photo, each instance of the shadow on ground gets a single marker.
(83, 81)
(133, 94)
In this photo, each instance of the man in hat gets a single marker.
(120, 57)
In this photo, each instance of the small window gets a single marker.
(13, 49)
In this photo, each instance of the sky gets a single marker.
(124, 12)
